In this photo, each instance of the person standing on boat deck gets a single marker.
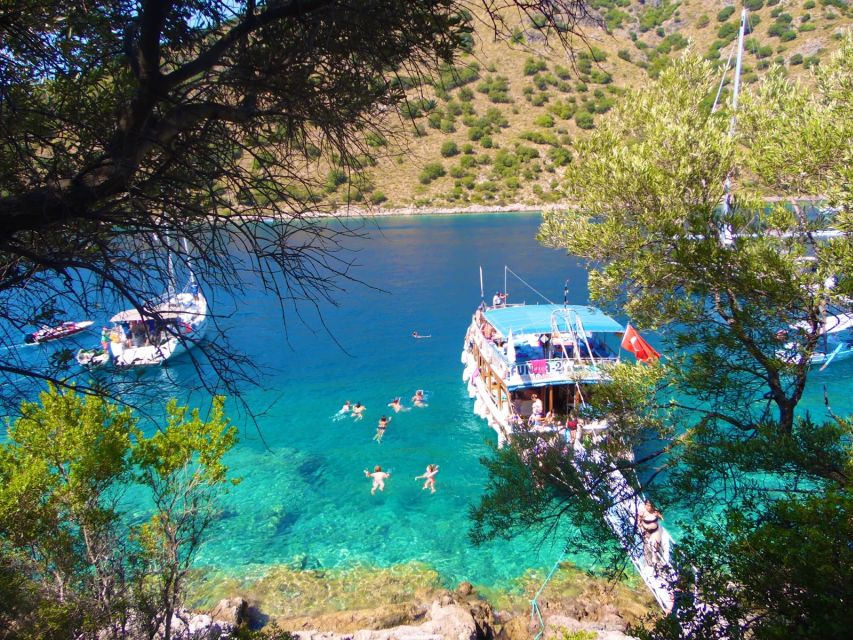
(545, 345)
(649, 520)
(105, 339)
(429, 476)
(379, 477)
(380, 429)
(571, 427)
(358, 411)
(418, 398)
(499, 299)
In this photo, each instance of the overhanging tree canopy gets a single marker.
(127, 125)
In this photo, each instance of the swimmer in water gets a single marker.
(415, 334)
(378, 476)
(397, 405)
(429, 476)
(380, 430)
(418, 399)
(358, 411)
(346, 408)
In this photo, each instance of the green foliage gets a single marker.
(725, 13)
(672, 42)
(375, 139)
(584, 120)
(753, 5)
(378, 197)
(624, 54)
(600, 77)
(430, 172)
(539, 137)
(561, 109)
(80, 564)
(451, 77)
(544, 120)
(560, 156)
(654, 16)
(449, 148)
(702, 21)
(615, 18)
(534, 65)
(496, 88)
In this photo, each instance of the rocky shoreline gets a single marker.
(461, 614)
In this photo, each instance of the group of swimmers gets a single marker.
(378, 475)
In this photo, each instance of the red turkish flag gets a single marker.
(632, 342)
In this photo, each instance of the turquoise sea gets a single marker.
(304, 501)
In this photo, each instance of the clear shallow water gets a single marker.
(304, 501)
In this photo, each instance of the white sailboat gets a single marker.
(159, 331)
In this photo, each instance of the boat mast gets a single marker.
(726, 236)
(189, 260)
(738, 65)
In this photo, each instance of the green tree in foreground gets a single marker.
(740, 297)
(80, 568)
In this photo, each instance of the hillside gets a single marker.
(499, 127)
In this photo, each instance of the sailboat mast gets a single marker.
(189, 260)
(738, 65)
(726, 236)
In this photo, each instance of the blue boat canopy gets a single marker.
(537, 319)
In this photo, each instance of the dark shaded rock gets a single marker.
(465, 589)
(231, 610)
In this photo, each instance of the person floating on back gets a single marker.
(378, 476)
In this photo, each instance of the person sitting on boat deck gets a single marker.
(429, 476)
(397, 405)
(534, 421)
(380, 429)
(488, 331)
(499, 299)
(536, 407)
(137, 334)
(649, 520)
(379, 477)
(358, 411)
(418, 399)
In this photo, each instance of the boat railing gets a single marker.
(537, 368)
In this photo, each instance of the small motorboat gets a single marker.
(46, 334)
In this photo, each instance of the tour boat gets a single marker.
(46, 334)
(523, 362)
(163, 329)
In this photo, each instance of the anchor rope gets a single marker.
(529, 286)
(534, 604)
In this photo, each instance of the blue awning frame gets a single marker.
(536, 319)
